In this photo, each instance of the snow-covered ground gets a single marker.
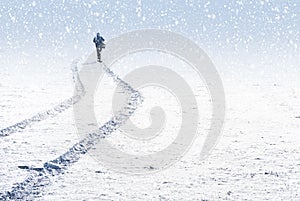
(257, 156)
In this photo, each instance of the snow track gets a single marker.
(39, 178)
(49, 113)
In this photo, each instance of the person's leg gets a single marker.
(99, 54)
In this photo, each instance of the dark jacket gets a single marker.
(98, 40)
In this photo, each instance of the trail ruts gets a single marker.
(39, 178)
(68, 103)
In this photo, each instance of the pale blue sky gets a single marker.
(222, 27)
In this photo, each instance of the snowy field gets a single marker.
(44, 46)
(257, 157)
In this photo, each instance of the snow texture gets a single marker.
(40, 177)
(255, 48)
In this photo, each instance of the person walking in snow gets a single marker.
(99, 42)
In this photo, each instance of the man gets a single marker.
(99, 42)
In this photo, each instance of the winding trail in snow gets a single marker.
(60, 108)
(32, 187)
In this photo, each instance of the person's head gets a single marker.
(98, 34)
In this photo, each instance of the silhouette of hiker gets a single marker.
(99, 42)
